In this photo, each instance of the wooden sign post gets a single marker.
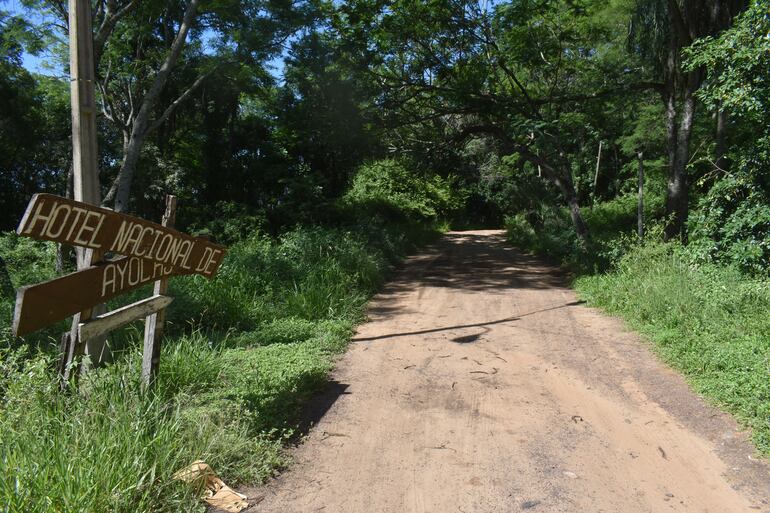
(154, 325)
(150, 253)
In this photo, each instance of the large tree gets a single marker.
(322, 112)
(152, 56)
(660, 31)
(520, 72)
(34, 125)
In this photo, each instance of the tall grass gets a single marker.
(310, 273)
(110, 447)
(105, 448)
(244, 351)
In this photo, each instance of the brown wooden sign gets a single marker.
(152, 252)
(50, 217)
(38, 306)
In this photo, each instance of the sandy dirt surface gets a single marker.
(481, 384)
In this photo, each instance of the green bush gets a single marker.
(520, 231)
(27, 262)
(309, 273)
(228, 222)
(731, 225)
(391, 183)
(549, 232)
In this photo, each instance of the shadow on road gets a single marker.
(468, 339)
(318, 405)
(473, 263)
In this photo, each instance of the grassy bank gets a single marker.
(708, 320)
(245, 351)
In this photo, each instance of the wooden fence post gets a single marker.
(73, 346)
(154, 325)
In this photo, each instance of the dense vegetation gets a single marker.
(244, 351)
(322, 141)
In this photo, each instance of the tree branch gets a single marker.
(173, 106)
(111, 18)
(172, 57)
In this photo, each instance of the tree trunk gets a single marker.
(581, 228)
(670, 101)
(564, 182)
(674, 185)
(596, 174)
(125, 178)
(676, 190)
(640, 201)
(720, 137)
(567, 188)
(671, 140)
(677, 197)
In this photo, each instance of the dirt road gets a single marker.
(481, 384)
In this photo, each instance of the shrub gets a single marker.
(110, 447)
(549, 232)
(228, 222)
(732, 225)
(390, 183)
(27, 262)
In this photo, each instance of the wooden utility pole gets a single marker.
(84, 163)
(84, 150)
(155, 323)
(640, 203)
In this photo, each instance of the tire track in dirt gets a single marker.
(481, 384)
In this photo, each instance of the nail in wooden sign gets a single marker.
(52, 218)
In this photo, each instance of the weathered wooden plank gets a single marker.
(85, 154)
(96, 348)
(103, 324)
(66, 221)
(43, 304)
(155, 323)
